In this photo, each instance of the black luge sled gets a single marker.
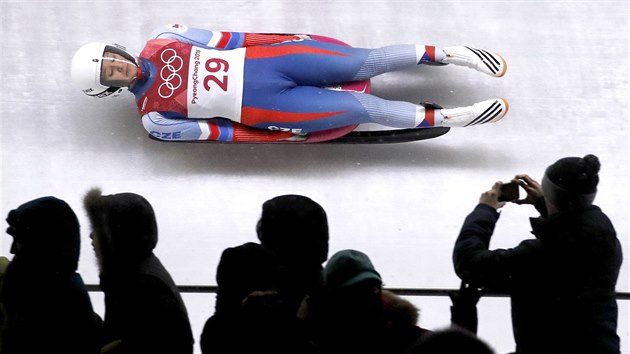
(389, 136)
(353, 137)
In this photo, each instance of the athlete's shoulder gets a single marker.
(169, 31)
(154, 45)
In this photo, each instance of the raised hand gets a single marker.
(532, 187)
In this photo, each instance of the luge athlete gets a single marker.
(195, 84)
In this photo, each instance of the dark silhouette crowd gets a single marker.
(284, 294)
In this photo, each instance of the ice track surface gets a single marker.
(567, 85)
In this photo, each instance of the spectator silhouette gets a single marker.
(4, 264)
(250, 314)
(295, 228)
(47, 306)
(358, 316)
(144, 312)
(562, 283)
(401, 319)
(452, 340)
(464, 306)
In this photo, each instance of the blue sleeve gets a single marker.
(171, 129)
(200, 37)
(187, 129)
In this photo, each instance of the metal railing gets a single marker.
(399, 291)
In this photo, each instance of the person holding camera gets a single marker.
(562, 282)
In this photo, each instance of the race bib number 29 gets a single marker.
(215, 87)
(218, 66)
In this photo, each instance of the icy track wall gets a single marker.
(567, 84)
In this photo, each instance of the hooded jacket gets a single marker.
(47, 304)
(562, 284)
(143, 307)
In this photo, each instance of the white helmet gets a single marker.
(86, 69)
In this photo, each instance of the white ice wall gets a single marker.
(567, 84)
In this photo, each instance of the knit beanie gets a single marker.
(571, 182)
(295, 228)
(349, 267)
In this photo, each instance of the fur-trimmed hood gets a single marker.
(399, 312)
(124, 222)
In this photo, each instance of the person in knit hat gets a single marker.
(46, 303)
(358, 315)
(144, 312)
(562, 282)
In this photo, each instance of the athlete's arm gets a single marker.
(213, 129)
(220, 40)
(186, 129)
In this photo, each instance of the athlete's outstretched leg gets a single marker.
(398, 57)
(314, 63)
(305, 109)
(396, 114)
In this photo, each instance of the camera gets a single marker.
(509, 191)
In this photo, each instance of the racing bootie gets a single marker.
(481, 60)
(488, 111)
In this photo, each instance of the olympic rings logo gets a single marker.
(172, 81)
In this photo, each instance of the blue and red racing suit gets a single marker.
(197, 84)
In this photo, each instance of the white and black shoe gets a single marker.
(481, 60)
(488, 111)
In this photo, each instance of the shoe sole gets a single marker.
(503, 73)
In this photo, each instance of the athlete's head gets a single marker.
(102, 69)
